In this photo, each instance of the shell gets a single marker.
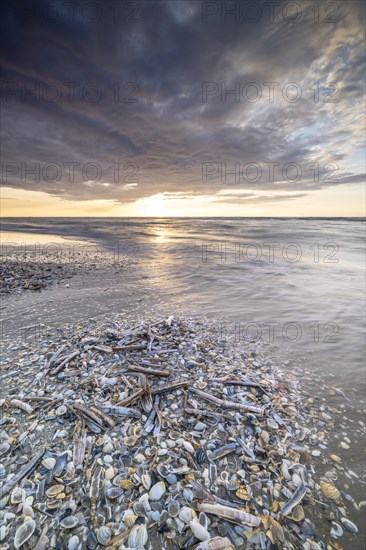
(173, 508)
(55, 491)
(138, 536)
(61, 410)
(157, 491)
(17, 495)
(298, 513)
(162, 470)
(131, 440)
(49, 463)
(130, 520)
(24, 532)
(69, 522)
(200, 456)
(188, 447)
(104, 535)
(186, 514)
(336, 530)
(73, 543)
(126, 484)
(230, 514)
(114, 492)
(60, 465)
(217, 543)
(329, 490)
(351, 527)
(242, 493)
(109, 473)
(146, 481)
(336, 458)
(199, 531)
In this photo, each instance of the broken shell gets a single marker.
(24, 532)
(329, 490)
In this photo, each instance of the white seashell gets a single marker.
(24, 532)
(73, 543)
(146, 481)
(186, 514)
(109, 473)
(157, 491)
(138, 536)
(199, 531)
(188, 447)
(104, 535)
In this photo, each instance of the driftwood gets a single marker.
(226, 404)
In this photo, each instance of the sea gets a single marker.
(294, 283)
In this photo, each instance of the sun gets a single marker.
(155, 205)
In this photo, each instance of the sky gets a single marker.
(182, 108)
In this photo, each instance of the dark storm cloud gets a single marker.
(162, 114)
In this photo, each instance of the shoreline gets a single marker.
(99, 374)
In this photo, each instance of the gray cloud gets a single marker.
(166, 53)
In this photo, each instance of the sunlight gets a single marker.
(155, 205)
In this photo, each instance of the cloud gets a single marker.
(162, 55)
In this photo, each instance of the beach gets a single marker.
(229, 330)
